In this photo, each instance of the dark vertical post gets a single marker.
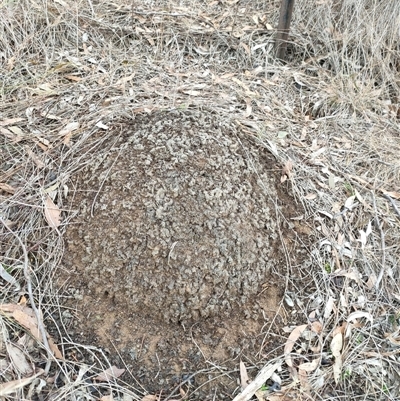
(283, 28)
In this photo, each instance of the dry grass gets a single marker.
(333, 110)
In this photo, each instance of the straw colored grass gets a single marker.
(332, 109)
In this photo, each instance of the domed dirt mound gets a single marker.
(183, 223)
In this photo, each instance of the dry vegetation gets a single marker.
(330, 116)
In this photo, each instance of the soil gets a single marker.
(169, 262)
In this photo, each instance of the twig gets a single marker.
(31, 299)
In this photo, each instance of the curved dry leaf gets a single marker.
(54, 348)
(52, 213)
(293, 337)
(110, 373)
(25, 316)
(310, 366)
(19, 360)
(29, 322)
(359, 314)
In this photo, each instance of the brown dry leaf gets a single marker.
(150, 397)
(244, 378)
(110, 373)
(52, 213)
(26, 318)
(336, 348)
(53, 347)
(11, 307)
(293, 337)
(14, 385)
(19, 360)
(316, 327)
(286, 171)
(7, 188)
(29, 322)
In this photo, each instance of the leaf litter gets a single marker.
(372, 167)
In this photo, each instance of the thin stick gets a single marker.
(31, 299)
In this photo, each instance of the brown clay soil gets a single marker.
(174, 261)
